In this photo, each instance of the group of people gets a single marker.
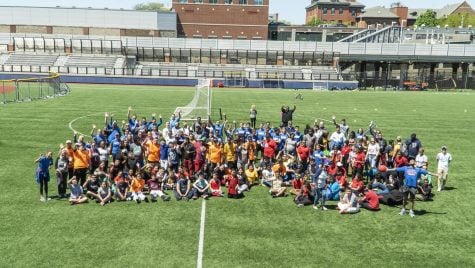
(144, 159)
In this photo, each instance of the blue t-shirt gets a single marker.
(318, 157)
(44, 163)
(164, 152)
(411, 175)
(115, 144)
(261, 134)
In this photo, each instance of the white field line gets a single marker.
(199, 261)
(77, 118)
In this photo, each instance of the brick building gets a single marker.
(228, 19)
(334, 11)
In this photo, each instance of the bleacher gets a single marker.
(22, 59)
(90, 61)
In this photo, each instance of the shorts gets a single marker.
(409, 191)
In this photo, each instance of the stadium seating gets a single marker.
(21, 59)
(90, 61)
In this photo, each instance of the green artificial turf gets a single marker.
(257, 231)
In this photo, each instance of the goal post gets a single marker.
(200, 105)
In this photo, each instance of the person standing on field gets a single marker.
(42, 174)
(287, 114)
(443, 160)
(253, 116)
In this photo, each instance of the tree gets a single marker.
(428, 19)
(455, 20)
(152, 6)
(314, 21)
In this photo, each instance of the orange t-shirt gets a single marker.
(278, 168)
(251, 150)
(153, 152)
(137, 185)
(215, 152)
(81, 159)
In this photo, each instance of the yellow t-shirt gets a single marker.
(215, 153)
(81, 159)
(153, 152)
(230, 151)
(252, 176)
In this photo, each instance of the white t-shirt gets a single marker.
(373, 149)
(443, 161)
(421, 160)
(337, 137)
(103, 154)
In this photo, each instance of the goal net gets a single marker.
(320, 85)
(200, 105)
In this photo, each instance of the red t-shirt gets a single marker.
(297, 183)
(232, 183)
(360, 159)
(269, 148)
(400, 161)
(215, 185)
(304, 152)
(356, 184)
(346, 150)
(372, 198)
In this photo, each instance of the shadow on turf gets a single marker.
(423, 212)
(449, 188)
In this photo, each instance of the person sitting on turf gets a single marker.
(122, 189)
(297, 184)
(242, 182)
(232, 181)
(303, 197)
(348, 204)
(333, 190)
(104, 194)
(183, 188)
(136, 187)
(371, 200)
(357, 185)
(155, 187)
(215, 186)
(200, 187)
(92, 186)
(277, 190)
(76, 196)
(252, 175)
(425, 191)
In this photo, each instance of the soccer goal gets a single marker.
(200, 105)
(320, 85)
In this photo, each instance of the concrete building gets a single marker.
(334, 11)
(228, 19)
(87, 21)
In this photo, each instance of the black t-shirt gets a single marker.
(122, 186)
(93, 186)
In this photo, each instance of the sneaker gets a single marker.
(138, 201)
(411, 213)
(167, 198)
(48, 198)
(403, 212)
(154, 200)
(324, 208)
(300, 205)
(315, 207)
(42, 199)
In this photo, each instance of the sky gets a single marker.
(289, 10)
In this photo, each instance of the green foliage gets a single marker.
(428, 19)
(152, 6)
(455, 20)
(314, 21)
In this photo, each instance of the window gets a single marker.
(325, 10)
(228, 2)
(258, 2)
(353, 12)
(341, 11)
(198, 1)
(182, 1)
(333, 11)
(243, 2)
(213, 1)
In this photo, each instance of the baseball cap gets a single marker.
(444, 147)
(68, 141)
(339, 164)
